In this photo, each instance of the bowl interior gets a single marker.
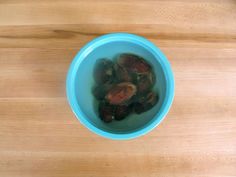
(84, 82)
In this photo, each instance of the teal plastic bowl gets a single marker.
(80, 82)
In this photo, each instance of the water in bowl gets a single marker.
(85, 81)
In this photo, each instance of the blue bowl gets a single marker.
(80, 82)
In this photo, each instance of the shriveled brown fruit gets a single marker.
(122, 111)
(106, 111)
(145, 102)
(122, 75)
(100, 91)
(144, 82)
(121, 93)
(104, 71)
(133, 63)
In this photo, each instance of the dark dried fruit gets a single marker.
(133, 63)
(106, 111)
(139, 108)
(145, 103)
(123, 87)
(121, 93)
(144, 82)
(104, 72)
(122, 111)
(100, 91)
(122, 74)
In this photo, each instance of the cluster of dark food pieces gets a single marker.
(123, 87)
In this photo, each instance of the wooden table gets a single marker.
(40, 136)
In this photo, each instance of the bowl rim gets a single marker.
(86, 49)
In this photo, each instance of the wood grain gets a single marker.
(40, 136)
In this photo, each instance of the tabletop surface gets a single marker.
(40, 136)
